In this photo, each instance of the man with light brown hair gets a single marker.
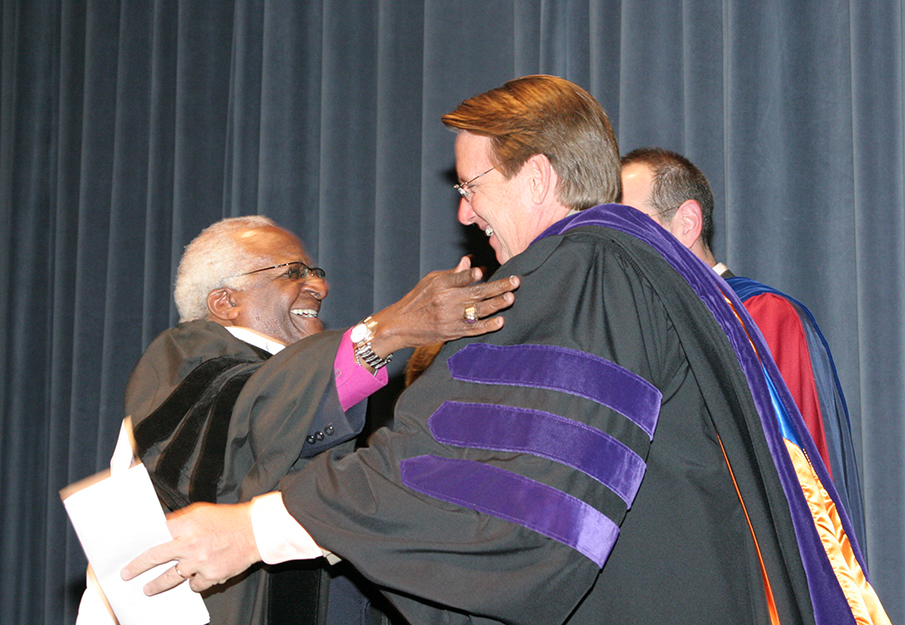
(546, 115)
(600, 459)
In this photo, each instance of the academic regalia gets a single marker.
(806, 364)
(575, 466)
(219, 420)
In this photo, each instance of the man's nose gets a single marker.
(316, 287)
(466, 215)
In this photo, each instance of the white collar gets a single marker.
(262, 341)
(720, 268)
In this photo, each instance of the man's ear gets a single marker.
(542, 177)
(687, 222)
(221, 304)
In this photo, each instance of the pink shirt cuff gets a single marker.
(354, 382)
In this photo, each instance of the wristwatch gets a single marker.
(362, 334)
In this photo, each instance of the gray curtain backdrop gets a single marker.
(127, 126)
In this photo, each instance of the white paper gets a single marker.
(117, 517)
(124, 452)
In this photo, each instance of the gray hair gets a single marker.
(211, 261)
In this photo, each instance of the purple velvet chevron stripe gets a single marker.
(514, 498)
(506, 428)
(561, 369)
(828, 600)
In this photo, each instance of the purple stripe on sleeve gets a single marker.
(828, 599)
(505, 428)
(561, 369)
(514, 498)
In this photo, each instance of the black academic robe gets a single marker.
(217, 419)
(570, 467)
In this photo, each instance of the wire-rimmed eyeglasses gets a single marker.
(297, 271)
(464, 187)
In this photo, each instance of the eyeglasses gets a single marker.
(463, 188)
(297, 271)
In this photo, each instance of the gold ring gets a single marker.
(471, 314)
(178, 572)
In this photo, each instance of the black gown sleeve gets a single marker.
(442, 515)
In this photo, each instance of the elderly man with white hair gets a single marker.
(248, 386)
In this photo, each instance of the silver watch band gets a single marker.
(364, 352)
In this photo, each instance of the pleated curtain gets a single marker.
(128, 126)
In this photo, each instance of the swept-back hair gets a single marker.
(551, 116)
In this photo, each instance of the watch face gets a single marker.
(360, 333)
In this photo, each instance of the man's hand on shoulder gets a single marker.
(443, 306)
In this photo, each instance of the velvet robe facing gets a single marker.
(575, 466)
(219, 420)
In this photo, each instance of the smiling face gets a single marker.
(269, 301)
(502, 208)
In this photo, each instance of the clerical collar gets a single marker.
(262, 341)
